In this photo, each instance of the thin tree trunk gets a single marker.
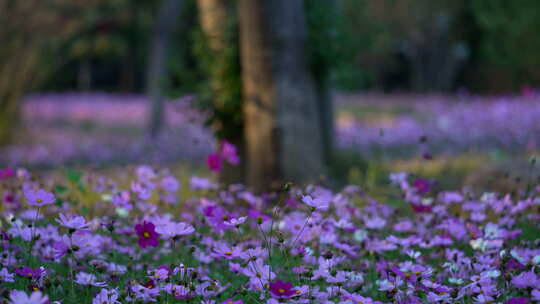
(283, 140)
(157, 69)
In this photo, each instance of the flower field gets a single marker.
(148, 236)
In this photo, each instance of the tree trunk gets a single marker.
(157, 68)
(283, 140)
(215, 18)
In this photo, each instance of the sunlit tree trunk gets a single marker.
(215, 18)
(157, 69)
(281, 117)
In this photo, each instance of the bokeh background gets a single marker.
(443, 89)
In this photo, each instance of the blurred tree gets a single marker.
(421, 38)
(323, 57)
(510, 42)
(164, 27)
(30, 28)
(283, 138)
(217, 50)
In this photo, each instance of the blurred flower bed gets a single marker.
(438, 124)
(97, 128)
(101, 128)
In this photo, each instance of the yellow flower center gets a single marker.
(39, 200)
(281, 290)
(146, 234)
(29, 274)
(228, 252)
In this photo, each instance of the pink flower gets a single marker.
(147, 234)
(228, 152)
(280, 289)
(214, 162)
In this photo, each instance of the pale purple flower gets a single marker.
(106, 297)
(20, 297)
(526, 279)
(84, 278)
(75, 222)
(170, 184)
(235, 221)
(6, 276)
(39, 198)
(316, 203)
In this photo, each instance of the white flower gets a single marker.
(360, 235)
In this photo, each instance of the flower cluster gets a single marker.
(140, 241)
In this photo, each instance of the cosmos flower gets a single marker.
(422, 186)
(231, 301)
(228, 152)
(20, 297)
(84, 278)
(6, 276)
(29, 272)
(526, 279)
(214, 162)
(280, 289)
(6, 173)
(316, 203)
(235, 221)
(147, 234)
(106, 297)
(517, 301)
(76, 222)
(39, 198)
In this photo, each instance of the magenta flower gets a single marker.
(39, 198)
(147, 234)
(214, 162)
(517, 301)
(280, 289)
(6, 173)
(421, 208)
